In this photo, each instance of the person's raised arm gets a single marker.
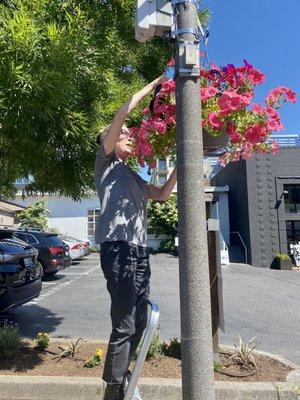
(111, 137)
(164, 192)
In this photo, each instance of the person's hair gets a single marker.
(156, 93)
(102, 132)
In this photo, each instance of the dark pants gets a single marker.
(127, 271)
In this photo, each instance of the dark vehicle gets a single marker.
(53, 253)
(20, 272)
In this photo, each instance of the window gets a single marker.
(293, 231)
(214, 163)
(292, 198)
(162, 165)
(92, 221)
(31, 239)
(54, 240)
(21, 236)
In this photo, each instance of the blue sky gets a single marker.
(267, 34)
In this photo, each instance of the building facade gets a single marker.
(9, 213)
(264, 203)
(216, 197)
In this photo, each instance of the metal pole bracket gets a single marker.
(193, 31)
(195, 2)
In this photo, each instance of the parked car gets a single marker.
(86, 245)
(20, 272)
(53, 253)
(75, 247)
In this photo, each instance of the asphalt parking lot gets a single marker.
(258, 302)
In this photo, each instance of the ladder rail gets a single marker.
(146, 342)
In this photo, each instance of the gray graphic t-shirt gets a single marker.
(123, 198)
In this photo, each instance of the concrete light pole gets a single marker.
(196, 331)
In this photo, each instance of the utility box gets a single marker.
(153, 18)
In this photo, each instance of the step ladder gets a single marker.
(132, 392)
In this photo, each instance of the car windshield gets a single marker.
(54, 240)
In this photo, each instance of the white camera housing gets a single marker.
(153, 18)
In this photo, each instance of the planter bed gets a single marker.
(29, 361)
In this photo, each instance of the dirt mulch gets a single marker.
(29, 361)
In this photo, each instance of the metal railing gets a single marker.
(243, 243)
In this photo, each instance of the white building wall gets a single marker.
(70, 217)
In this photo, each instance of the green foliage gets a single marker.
(243, 354)
(34, 215)
(95, 249)
(42, 341)
(218, 366)
(282, 256)
(163, 217)
(173, 348)
(167, 245)
(65, 67)
(95, 360)
(71, 349)
(155, 349)
(10, 339)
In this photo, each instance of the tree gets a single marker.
(163, 217)
(65, 67)
(34, 215)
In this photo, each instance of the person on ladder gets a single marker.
(121, 232)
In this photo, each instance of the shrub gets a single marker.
(217, 366)
(282, 256)
(243, 352)
(10, 339)
(173, 348)
(155, 349)
(71, 349)
(167, 246)
(42, 341)
(95, 249)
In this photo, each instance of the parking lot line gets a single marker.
(60, 285)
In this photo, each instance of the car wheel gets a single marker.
(42, 268)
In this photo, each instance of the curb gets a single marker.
(77, 388)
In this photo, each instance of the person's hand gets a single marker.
(163, 78)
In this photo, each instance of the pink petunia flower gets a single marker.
(255, 76)
(158, 125)
(230, 101)
(255, 133)
(215, 121)
(208, 92)
(168, 86)
(274, 147)
(281, 93)
(146, 149)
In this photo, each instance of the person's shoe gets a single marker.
(113, 392)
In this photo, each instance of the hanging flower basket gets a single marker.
(230, 119)
(213, 143)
